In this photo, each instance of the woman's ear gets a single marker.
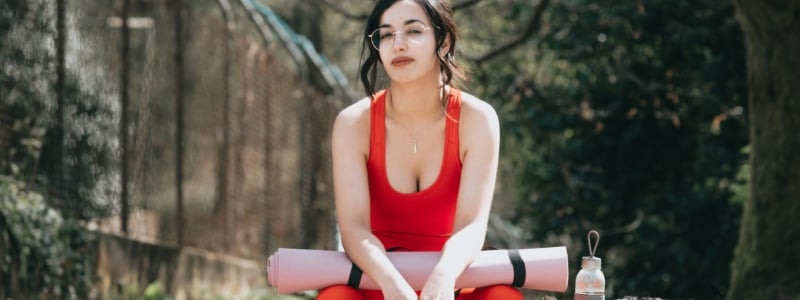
(445, 48)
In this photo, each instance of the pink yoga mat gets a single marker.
(294, 270)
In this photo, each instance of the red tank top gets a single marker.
(421, 221)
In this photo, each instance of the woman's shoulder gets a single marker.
(352, 125)
(479, 127)
(476, 110)
(355, 113)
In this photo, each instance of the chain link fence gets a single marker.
(225, 143)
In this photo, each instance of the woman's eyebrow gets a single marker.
(413, 21)
(405, 23)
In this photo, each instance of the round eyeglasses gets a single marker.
(383, 38)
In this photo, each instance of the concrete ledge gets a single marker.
(183, 273)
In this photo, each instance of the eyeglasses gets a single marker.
(383, 38)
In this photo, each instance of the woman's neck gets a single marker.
(415, 101)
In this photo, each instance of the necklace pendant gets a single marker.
(415, 146)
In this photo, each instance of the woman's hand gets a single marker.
(438, 287)
(399, 291)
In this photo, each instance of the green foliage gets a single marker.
(50, 170)
(70, 156)
(24, 85)
(89, 142)
(154, 291)
(45, 253)
(628, 118)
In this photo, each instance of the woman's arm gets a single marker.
(480, 145)
(350, 149)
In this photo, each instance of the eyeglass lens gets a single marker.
(384, 38)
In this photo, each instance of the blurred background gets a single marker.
(164, 148)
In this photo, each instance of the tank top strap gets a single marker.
(453, 114)
(377, 128)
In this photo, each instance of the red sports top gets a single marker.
(421, 221)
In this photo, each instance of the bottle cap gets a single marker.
(591, 262)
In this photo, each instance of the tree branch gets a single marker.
(533, 26)
(344, 12)
(464, 4)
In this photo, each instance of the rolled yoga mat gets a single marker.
(293, 270)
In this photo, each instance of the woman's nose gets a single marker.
(399, 42)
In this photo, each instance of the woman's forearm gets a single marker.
(460, 250)
(368, 253)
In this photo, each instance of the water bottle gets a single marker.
(590, 284)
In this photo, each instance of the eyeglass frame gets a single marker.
(425, 28)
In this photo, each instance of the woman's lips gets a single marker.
(401, 61)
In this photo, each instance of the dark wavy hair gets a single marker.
(441, 16)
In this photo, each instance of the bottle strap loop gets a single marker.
(592, 248)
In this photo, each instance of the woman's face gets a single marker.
(407, 43)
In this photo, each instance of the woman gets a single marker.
(414, 164)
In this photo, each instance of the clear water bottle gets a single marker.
(590, 284)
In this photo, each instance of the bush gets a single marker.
(43, 252)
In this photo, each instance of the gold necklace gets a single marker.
(408, 132)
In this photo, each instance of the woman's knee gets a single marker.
(504, 292)
(339, 292)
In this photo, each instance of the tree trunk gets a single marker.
(766, 260)
(57, 176)
(306, 18)
(222, 205)
(124, 119)
(180, 124)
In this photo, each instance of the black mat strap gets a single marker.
(519, 268)
(356, 273)
(355, 277)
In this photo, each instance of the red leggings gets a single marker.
(343, 292)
